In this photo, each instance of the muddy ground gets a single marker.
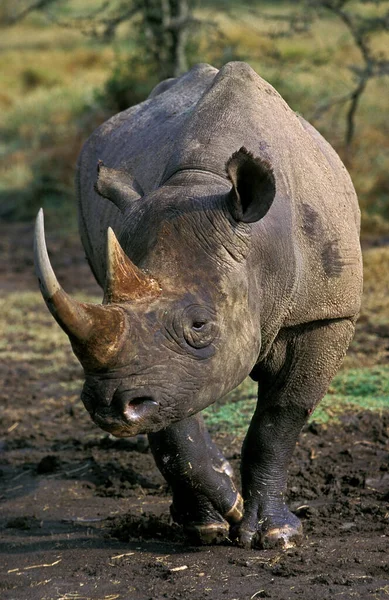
(85, 516)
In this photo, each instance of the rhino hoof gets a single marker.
(279, 537)
(235, 514)
(243, 538)
(211, 533)
(283, 537)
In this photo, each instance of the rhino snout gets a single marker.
(124, 413)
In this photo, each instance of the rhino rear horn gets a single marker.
(253, 186)
(124, 281)
(84, 323)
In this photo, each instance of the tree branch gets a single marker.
(37, 5)
(360, 28)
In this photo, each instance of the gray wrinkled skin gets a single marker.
(269, 287)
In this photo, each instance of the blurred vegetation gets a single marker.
(61, 78)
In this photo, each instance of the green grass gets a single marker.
(363, 384)
(352, 390)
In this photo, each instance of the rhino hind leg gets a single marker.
(205, 500)
(294, 378)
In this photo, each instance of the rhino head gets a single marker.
(180, 332)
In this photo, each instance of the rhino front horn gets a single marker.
(124, 281)
(81, 321)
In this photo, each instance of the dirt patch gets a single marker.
(86, 516)
(95, 523)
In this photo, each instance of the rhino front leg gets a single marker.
(292, 380)
(205, 500)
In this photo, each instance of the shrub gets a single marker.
(130, 82)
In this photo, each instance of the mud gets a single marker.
(86, 516)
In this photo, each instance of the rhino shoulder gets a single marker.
(335, 164)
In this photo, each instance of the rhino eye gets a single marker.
(199, 327)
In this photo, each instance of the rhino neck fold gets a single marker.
(193, 170)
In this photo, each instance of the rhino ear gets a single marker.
(117, 186)
(253, 186)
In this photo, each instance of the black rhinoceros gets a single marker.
(223, 230)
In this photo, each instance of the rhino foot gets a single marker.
(269, 534)
(281, 537)
(203, 527)
(210, 533)
(204, 524)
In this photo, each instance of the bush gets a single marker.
(129, 83)
(43, 136)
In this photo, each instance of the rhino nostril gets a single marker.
(140, 407)
(138, 401)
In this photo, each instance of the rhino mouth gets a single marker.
(117, 429)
